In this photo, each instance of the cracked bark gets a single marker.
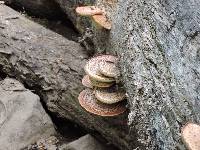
(52, 67)
(158, 42)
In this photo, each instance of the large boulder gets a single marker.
(22, 118)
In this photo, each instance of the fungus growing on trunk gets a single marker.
(101, 84)
(104, 98)
(109, 69)
(86, 82)
(109, 95)
(88, 101)
(88, 11)
(191, 136)
(92, 68)
(102, 21)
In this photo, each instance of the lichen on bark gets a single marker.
(160, 67)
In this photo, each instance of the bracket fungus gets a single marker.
(86, 82)
(88, 101)
(97, 15)
(102, 96)
(101, 84)
(191, 136)
(109, 69)
(109, 95)
(88, 11)
(92, 68)
(102, 21)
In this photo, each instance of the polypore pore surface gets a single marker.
(88, 101)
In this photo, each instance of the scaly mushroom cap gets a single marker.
(102, 21)
(109, 95)
(88, 11)
(92, 68)
(109, 69)
(86, 82)
(191, 136)
(88, 101)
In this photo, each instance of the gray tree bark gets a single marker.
(52, 67)
(158, 43)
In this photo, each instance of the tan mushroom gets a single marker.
(109, 69)
(86, 82)
(191, 136)
(92, 68)
(102, 21)
(109, 95)
(88, 11)
(88, 101)
(101, 84)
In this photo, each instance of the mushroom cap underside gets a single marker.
(102, 21)
(88, 10)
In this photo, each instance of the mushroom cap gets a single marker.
(86, 82)
(109, 69)
(101, 84)
(102, 21)
(92, 68)
(191, 136)
(110, 95)
(88, 101)
(88, 10)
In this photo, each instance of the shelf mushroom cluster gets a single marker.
(103, 96)
(97, 15)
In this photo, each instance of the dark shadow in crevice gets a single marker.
(2, 74)
(57, 22)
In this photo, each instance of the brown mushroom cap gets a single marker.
(88, 11)
(102, 21)
(110, 95)
(191, 136)
(86, 82)
(109, 69)
(88, 101)
(92, 68)
(101, 84)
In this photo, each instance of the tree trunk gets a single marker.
(158, 43)
(52, 67)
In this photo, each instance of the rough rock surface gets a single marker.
(86, 142)
(53, 66)
(22, 118)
